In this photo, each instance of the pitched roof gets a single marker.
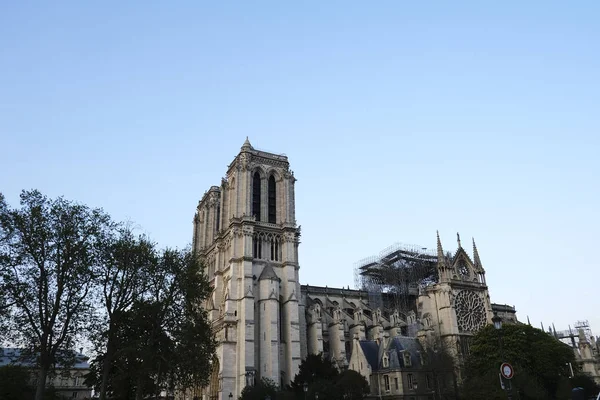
(371, 350)
(399, 344)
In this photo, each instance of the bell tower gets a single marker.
(245, 231)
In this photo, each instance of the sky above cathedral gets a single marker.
(398, 118)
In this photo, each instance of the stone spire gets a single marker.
(247, 146)
(458, 239)
(476, 258)
(440, 251)
(528, 322)
(441, 259)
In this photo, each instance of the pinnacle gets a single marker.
(247, 145)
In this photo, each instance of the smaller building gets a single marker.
(67, 381)
(395, 367)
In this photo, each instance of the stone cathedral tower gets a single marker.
(459, 304)
(245, 231)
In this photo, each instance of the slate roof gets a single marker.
(396, 348)
(16, 356)
(399, 344)
(371, 350)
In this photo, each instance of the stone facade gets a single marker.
(245, 230)
(351, 332)
(265, 322)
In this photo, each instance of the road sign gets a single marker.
(507, 370)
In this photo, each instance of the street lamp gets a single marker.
(498, 326)
(305, 387)
(316, 395)
(230, 395)
(497, 321)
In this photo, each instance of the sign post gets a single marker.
(506, 372)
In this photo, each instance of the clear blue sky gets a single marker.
(399, 119)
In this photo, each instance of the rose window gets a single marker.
(470, 311)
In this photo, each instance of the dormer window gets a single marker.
(386, 362)
(407, 361)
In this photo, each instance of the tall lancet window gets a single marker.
(272, 207)
(256, 196)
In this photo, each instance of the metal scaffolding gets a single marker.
(394, 276)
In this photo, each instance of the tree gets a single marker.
(48, 255)
(439, 360)
(322, 377)
(313, 368)
(260, 391)
(351, 385)
(539, 360)
(126, 261)
(164, 340)
(15, 383)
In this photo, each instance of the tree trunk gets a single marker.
(110, 349)
(139, 387)
(41, 383)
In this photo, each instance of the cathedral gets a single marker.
(266, 322)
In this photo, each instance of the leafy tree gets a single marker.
(15, 383)
(126, 261)
(441, 363)
(313, 368)
(164, 340)
(539, 361)
(260, 391)
(322, 377)
(351, 385)
(48, 254)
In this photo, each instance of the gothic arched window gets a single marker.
(272, 207)
(256, 196)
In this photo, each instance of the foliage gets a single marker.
(441, 363)
(164, 339)
(322, 377)
(313, 368)
(539, 360)
(121, 282)
(265, 387)
(351, 385)
(48, 255)
(15, 383)
(69, 273)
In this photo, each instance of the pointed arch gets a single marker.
(272, 200)
(214, 380)
(256, 183)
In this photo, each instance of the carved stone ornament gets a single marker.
(470, 311)
(243, 161)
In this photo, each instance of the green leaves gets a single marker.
(157, 327)
(538, 358)
(69, 273)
